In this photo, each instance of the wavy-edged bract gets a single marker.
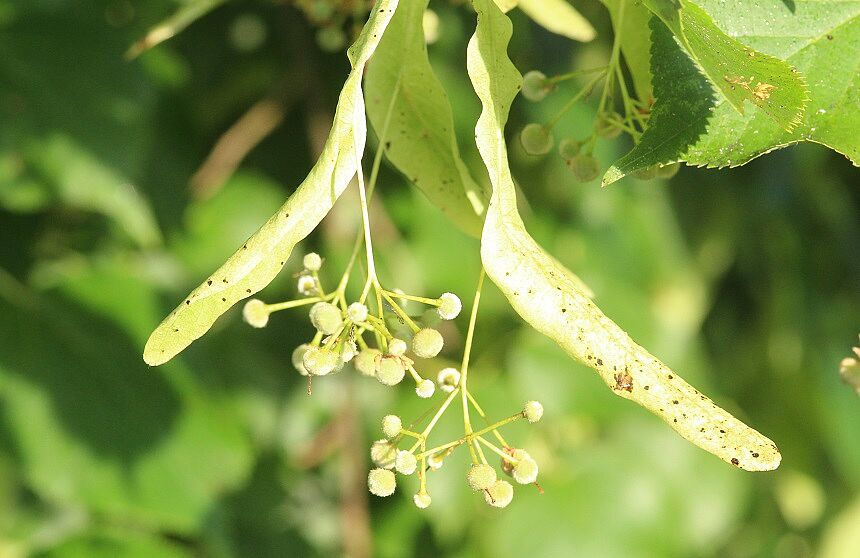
(260, 259)
(542, 291)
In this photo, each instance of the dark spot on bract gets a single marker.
(755, 454)
(223, 300)
(674, 402)
(209, 282)
(829, 37)
(187, 302)
(248, 291)
(671, 376)
(722, 431)
(735, 461)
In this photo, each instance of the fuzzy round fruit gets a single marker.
(448, 378)
(536, 139)
(357, 312)
(405, 463)
(326, 317)
(256, 313)
(533, 411)
(584, 168)
(391, 425)
(569, 148)
(449, 306)
(500, 494)
(425, 389)
(306, 285)
(427, 343)
(525, 471)
(297, 358)
(381, 482)
(516, 453)
(535, 86)
(607, 128)
(397, 347)
(668, 171)
(331, 39)
(646, 174)
(319, 362)
(481, 476)
(390, 371)
(366, 361)
(383, 453)
(312, 261)
(435, 461)
(422, 500)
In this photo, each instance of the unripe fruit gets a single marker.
(297, 358)
(500, 494)
(425, 389)
(365, 361)
(449, 306)
(569, 148)
(535, 86)
(481, 476)
(331, 39)
(427, 343)
(383, 454)
(405, 463)
(533, 411)
(381, 482)
(326, 317)
(536, 139)
(319, 362)
(607, 128)
(391, 425)
(390, 371)
(306, 285)
(256, 313)
(646, 174)
(349, 351)
(422, 500)
(668, 171)
(397, 347)
(435, 461)
(518, 454)
(357, 312)
(585, 168)
(525, 471)
(448, 378)
(312, 261)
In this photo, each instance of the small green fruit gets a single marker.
(585, 168)
(481, 476)
(536, 139)
(535, 86)
(326, 317)
(427, 343)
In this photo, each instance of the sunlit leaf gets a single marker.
(257, 262)
(539, 289)
(559, 17)
(419, 137)
(739, 72)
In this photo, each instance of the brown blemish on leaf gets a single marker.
(624, 381)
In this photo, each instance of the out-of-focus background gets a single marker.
(123, 183)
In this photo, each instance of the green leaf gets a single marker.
(260, 259)
(821, 39)
(417, 130)
(185, 15)
(541, 291)
(558, 17)
(739, 72)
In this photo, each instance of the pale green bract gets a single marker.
(418, 128)
(260, 259)
(559, 17)
(541, 290)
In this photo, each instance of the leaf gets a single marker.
(559, 17)
(418, 136)
(685, 101)
(635, 41)
(539, 288)
(739, 72)
(185, 15)
(260, 259)
(722, 137)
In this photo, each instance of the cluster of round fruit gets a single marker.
(481, 476)
(341, 328)
(537, 139)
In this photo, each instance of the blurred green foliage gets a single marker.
(745, 279)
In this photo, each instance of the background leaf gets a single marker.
(420, 140)
(558, 17)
